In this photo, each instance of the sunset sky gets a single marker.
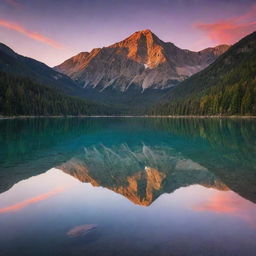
(52, 31)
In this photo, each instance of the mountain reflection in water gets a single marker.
(141, 175)
(225, 147)
(77, 186)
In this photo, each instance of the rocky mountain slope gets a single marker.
(142, 61)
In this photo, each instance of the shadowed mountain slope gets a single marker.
(227, 86)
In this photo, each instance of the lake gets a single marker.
(127, 186)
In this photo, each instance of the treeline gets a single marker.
(21, 96)
(236, 99)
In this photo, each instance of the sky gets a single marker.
(52, 31)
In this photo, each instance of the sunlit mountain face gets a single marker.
(142, 61)
(90, 186)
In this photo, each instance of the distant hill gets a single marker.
(226, 87)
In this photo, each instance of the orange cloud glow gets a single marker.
(25, 203)
(33, 35)
(231, 30)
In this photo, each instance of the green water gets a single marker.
(127, 186)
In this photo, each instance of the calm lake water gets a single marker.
(127, 186)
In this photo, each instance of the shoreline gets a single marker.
(128, 116)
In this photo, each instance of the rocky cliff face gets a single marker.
(141, 60)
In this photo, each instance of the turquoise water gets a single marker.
(127, 186)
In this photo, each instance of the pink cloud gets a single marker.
(231, 204)
(229, 31)
(220, 203)
(33, 35)
(25, 203)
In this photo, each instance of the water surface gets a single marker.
(127, 186)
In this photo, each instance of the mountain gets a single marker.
(141, 61)
(18, 65)
(226, 87)
(130, 75)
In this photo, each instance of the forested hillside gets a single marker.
(21, 96)
(227, 87)
(17, 65)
